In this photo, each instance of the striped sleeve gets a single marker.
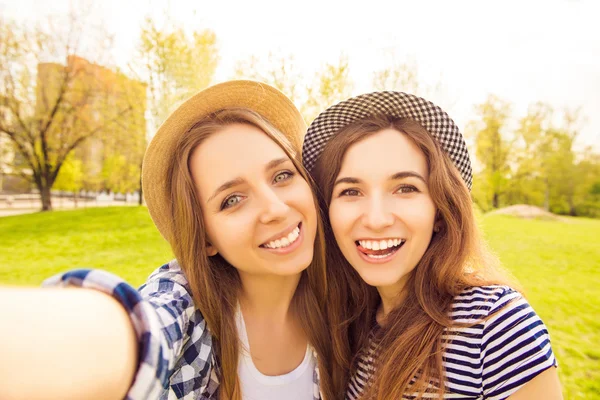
(515, 346)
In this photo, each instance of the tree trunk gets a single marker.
(547, 196)
(140, 200)
(495, 200)
(46, 198)
(572, 210)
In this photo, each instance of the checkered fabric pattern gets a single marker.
(398, 104)
(176, 360)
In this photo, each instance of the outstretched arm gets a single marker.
(545, 386)
(65, 344)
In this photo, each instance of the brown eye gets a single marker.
(407, 189)
(350, 192)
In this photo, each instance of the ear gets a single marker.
(211, 250)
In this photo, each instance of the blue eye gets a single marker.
(231, 201)
(283, 176)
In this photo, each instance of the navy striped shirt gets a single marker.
(491, 359)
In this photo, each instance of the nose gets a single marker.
(273, 207)
(376, 215)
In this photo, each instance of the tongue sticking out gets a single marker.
(379, 252)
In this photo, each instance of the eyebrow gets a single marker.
(238, 181)
(396, 176)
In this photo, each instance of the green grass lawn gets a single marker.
(122, 240)
(557, 263)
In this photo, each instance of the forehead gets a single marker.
(235, 151)
(383, 153)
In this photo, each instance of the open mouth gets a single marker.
(285, 240)
(379, 249)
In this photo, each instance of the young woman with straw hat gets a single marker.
(239, 314)
(427, 314)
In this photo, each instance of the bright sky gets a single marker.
(521, 50)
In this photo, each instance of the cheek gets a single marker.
(229, 232)
(341, 220)
(302, 198)
(421, 217)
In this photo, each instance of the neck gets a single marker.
(391, 297)
(267, 297)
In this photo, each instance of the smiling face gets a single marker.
(258, 211)
(381, 212)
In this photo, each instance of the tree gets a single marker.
(279, 72)
(405, 77)
(46, 109)
(547, 160)
(331, 85)
(492, 148)
(587, 192)
(70, 177)
(175, 66)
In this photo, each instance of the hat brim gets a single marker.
(396, 104)
(259, 97)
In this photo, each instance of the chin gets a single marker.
(295, 266)
(380, 278)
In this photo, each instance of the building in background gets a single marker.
(112, 107)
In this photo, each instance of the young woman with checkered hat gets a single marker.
(428, 315)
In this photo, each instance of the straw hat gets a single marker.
(259, 97)
(396, 104)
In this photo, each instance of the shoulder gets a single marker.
(165, 278)
(510, 341)
(480, 302)
(167, 290)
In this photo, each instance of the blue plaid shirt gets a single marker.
(176, 357)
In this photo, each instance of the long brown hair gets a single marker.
(410, 343)
(207, 276)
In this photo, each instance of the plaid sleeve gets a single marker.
(168, 327)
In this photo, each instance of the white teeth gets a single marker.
(380, 244)
(377, 256)
(284, 241)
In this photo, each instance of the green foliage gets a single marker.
(118, 175)
(174, 65)
(333, 84)
(48, 110)
(533, 164)
(492, 149)
(70, 177)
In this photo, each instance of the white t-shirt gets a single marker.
(295, 385)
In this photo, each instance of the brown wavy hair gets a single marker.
(410, 342)
(207, 276)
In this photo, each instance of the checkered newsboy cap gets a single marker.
(396, 104)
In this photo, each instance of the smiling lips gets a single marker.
(379, 249)
(284, 241)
